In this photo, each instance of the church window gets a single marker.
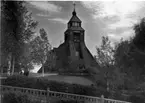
(79, 24)
(69, 25)
(75, 24)
(77, 53)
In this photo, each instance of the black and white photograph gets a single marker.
(72, 51)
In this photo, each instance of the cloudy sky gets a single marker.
(99, 18)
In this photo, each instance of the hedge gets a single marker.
(14, 98)
(43, 83)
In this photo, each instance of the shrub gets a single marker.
(19, 81)
(13, 98)
(43, 83)
(137, 99)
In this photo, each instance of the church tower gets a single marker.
(73, 56)
(74, 35)
(74, 30)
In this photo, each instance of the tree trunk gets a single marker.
(107, 85)
(42, 70)
(26, 72)
(13, 65)
(43, 65)
(9, 63)
(1, 69)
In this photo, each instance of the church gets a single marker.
(72, 56)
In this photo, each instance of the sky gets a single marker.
(114, 19)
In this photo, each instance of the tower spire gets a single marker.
(74, 12)
(74, 5)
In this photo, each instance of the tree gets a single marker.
(9, 40)
(17, 30)
(25, 62)
(108, 71)
(105, 53)
(139, 38)
(104, 58)
(40, 48)
(130, 54)
(138, 45)
(50, 63)
(121, 56)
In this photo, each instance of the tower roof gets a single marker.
(74, 17)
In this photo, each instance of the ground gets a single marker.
(67, 79)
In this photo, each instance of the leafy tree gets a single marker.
(108, 71)
(50, 63)
(104, 58)
(139, 38)
(17, 30)
(105, 53)
(130, 54)
(138, 46)
(121, 55)
(40, 48)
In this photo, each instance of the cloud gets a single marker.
(112, 8)
(43, 14)
(124, 35)
(45, 6)
(118, 16)
(60, 20)
(114, 36)
(119, 30)
(123, 23)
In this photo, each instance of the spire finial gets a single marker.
(74, 12)
(74, 5)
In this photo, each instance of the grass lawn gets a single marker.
(68, 79)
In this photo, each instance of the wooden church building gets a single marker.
(72, 56)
